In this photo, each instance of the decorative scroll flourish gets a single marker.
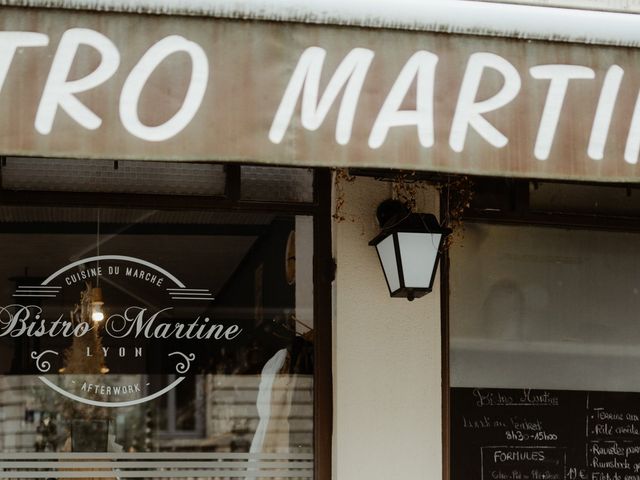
(43, 365)
(183, 366)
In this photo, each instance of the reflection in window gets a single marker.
(536, 307)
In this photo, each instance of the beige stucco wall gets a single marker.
(387, 377)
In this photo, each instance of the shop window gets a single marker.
(159, 340)
(543, 337)
(543, 307)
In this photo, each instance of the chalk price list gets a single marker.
(614, 444)
(545, 435)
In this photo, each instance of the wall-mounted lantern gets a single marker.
(409, 247)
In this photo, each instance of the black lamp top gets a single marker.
(394, 216)
(391, 211)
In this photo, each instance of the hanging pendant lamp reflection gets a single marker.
(97, 302)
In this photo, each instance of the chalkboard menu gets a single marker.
(526, 434)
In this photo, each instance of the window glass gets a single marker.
(584, 199)
(109, 176)
(538, 307)
(277, 183)
(151, 340)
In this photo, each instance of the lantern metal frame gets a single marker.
(394, 218)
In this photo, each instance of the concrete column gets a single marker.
(386, 365)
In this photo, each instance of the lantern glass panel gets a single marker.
(387, 253)
(419, 252)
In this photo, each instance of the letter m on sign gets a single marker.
(305, 81)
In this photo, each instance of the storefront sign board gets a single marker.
(123, 86)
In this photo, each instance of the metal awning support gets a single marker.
(451, 16)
